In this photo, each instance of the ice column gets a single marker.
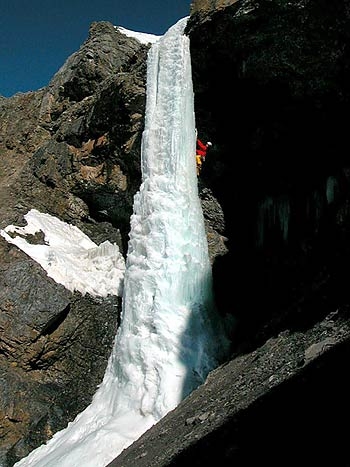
(169, 336)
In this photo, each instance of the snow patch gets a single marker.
(142, 37)
(69, 256)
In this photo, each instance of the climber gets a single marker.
(201, 152)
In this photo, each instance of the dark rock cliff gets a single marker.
(271, 81)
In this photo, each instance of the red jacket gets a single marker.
(201, 149)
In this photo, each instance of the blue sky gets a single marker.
(37, 36)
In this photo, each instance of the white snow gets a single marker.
(142, 37)
(170, 336)
(69, 256)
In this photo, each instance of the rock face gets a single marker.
(209, 5)
(271, 91)
(72, 150)
(271, 81)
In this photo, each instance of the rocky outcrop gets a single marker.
(209, 5)
(72, 150)
(91, 143)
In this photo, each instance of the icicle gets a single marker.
(331, 189)
(284, 216)
(272, 212)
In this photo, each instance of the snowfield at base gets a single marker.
(69, 256)
(170, 336)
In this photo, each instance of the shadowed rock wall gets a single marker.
(271, 82)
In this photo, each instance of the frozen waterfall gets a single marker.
(169, 338)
